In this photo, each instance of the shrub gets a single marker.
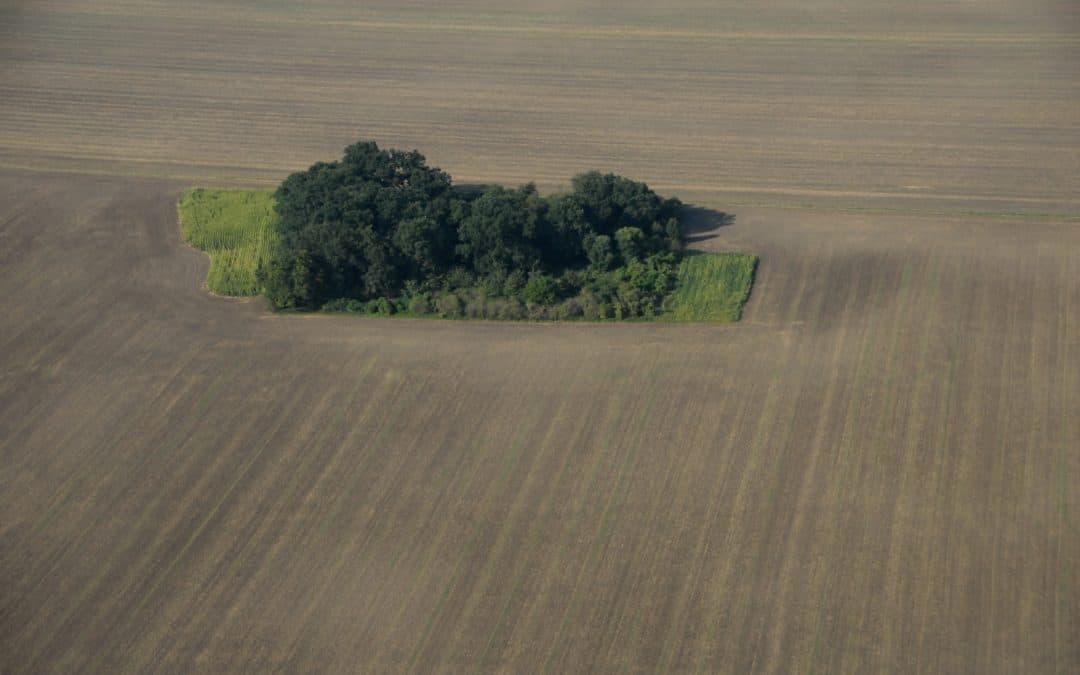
(449, 306)
(590, 305)
(631, 242)
(512, 309)
(538, 312)
(571, 309)
(459, 278)
(493, 284)
(420, 304)
(476, 308)
(380, 306)
(541, 290)
(515, 281)
(600, 252)
(336, 305)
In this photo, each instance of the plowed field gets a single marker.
(876, 470)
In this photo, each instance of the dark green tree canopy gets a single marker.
(382, 224)
(503, 231)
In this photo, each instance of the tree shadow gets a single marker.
(470, 190)
(701, 223)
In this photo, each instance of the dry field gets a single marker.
(877, 470)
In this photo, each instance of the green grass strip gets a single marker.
(236, 228)
(711, 287)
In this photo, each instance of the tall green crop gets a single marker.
(236, 228)
(711, 287)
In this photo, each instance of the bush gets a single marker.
(449, 306)
(590, 306)
(476, 308)
(459, 278)
(541, 290)
(539, 312)
(347, 306)
(571, 309)
(380, 306)
(631, 242)
(600, 252)
(512, 309)
(493, 284)
(514, 283)
(420, 304)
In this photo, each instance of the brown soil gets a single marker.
(877, 470)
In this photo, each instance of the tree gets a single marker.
(601, 254)
(541, 290)
(631, 243)
(291, 283)
(502, 230)
(567, 230)
(367, 222)
(425, 244)
(611, 202)
(381, 229)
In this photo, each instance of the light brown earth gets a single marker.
(877, 470)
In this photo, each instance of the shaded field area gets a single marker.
(876, 470)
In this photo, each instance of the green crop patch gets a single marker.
(237, 228)
(711, 286)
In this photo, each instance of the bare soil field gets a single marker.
(877, 470)
(918, 105)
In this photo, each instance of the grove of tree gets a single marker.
(380, 231)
